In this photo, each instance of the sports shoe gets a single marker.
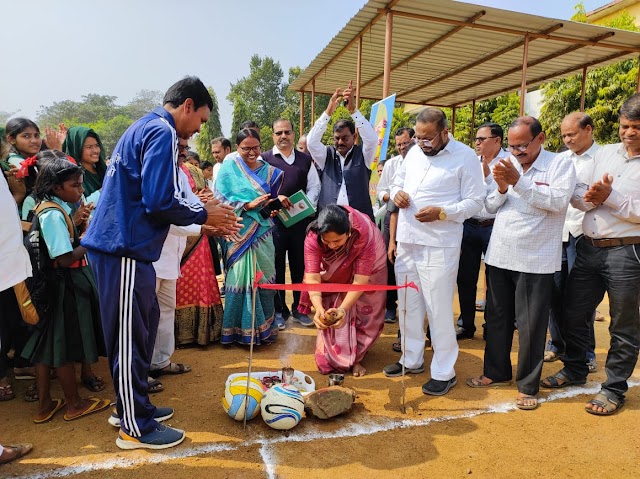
(279, 321)
(303, 319)
(439, 388)
(161, 414)
(395, 370)
(390, 316)
(162, 437)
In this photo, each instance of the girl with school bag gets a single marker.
(70, 331)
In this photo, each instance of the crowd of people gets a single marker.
(132, 246)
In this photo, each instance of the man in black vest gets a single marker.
(299, 174)
(346, 167)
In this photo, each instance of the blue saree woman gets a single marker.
(248, 183)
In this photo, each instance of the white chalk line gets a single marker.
(266, 450)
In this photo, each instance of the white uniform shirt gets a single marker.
(168, 265)
(318, 151)
(313, 180)
(390, 169)
(484, 214)
(619, 215)
(584, 167)
(14, 258)
(452, 179)
(527, 233)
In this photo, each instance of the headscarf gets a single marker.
(72, 146)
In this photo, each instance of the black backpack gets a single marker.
(41, 284)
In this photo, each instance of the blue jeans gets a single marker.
(556, 343)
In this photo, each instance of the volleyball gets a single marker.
(282, 407)
(235, 394)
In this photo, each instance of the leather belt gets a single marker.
(480, 223)
(611, 242)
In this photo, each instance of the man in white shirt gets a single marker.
(300, 174)
(438, 186)
(404, 141)
(530, 198)
(608, 260)
(220, 148)
(577, 134)
(346, 166)
(477, 231)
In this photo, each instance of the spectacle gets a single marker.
(520, 148)
(480, 139)
(282, 132)
(247, 149)
(182, 148)
(427, 142)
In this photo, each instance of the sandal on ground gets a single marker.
(550, 356)
(59, 404)
(24, 374)
(560, 380)
(520, 403)
(6, 393)
(155, 386)
(609, 405)
(172, 368)
(31, 394)
(480, 383)
(97, 405)
(93, 383)
(14, 451)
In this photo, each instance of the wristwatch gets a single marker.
(442, 215)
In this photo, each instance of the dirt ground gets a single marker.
(467, 433)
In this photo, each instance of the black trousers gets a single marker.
(213, 244)
(475, 240)
(392, 295)
(615, 271)
(524, 298)
(289, 242)
(14, 332)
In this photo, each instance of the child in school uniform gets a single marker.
(71, 332)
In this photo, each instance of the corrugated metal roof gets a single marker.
(448, 53)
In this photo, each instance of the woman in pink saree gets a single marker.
(344, 246)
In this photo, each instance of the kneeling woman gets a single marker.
(344, 246)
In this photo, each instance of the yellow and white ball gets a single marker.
(235, 394)
(282, 407)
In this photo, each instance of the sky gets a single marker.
(56, 50)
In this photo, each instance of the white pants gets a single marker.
(166, 338)
(434, 271)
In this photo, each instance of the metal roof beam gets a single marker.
(530, 64)
(545, 77)
(381, 13)
(439, 40)
(474, 64)
(511, 31)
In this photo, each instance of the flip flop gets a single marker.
(93, 383)
(172, 368)
(527, 407)
(477, 383)
(19, 450)
(60, 403)
(97, 406)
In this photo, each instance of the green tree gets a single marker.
(210, 130)
(240, 115)
(143, 103)
(262, 91)
(4, 117)
(605, 90)
(110, 130)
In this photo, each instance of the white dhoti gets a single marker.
(434, 271)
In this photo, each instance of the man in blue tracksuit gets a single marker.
(141, 196)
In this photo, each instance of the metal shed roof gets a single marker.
(449, 53)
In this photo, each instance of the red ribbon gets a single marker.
(23, 171)
(331, 287)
